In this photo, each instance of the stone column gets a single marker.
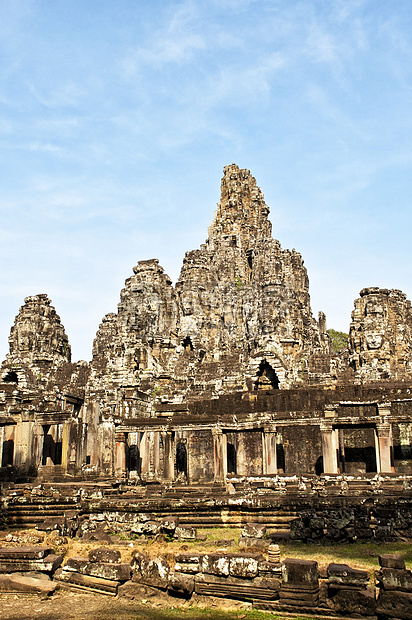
(1, 443)
(120, 456)
(145, 455)
(168, 456)
(383, 452)
(219, 455)
(65, 445)
(22, 455)
(384, 440)
(269, 451)
(330, 465)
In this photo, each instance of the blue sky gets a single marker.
(117, 117)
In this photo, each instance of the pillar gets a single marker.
(168, 457)
(120, 456)
(384, 440)
(156, 454)
(219, 455)
(145, 455)
(330, 465)
(269, 451)
(65, 445)
(383, 453)
(22, 451)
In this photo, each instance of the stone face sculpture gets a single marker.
(239, 316)
(380, 338)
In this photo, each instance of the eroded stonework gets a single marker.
(225, 374)
(238, 319)
(381, 335)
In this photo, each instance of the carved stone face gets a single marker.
(187, 302)
(374, 308)
(374, 340)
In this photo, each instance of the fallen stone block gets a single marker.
(393, 604)
(239, 589)
(102, 554)
(302, 573)
(24, 553)
(24, 584)
(395, 579)
(86, 582)
(153, 573)
(258, 543)
(186, 533)
(117, 572)
(347, 601)
(244, 566)
(392, 560)
(214, 564)
(253, 530)
(181, 584)
(149, 528)
(168, 525)
(133, 590)
(47, 564)
(345, 575)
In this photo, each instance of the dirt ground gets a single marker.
(75, 605)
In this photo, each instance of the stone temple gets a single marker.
(225, 376)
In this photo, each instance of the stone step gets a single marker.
(41, 508)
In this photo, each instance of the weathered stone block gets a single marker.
(299, 572)
(392, 560)
(253, 530)
(394, 604)
(48, 564)
(103, 554)
(95, 584)
(153, 573)
(23, 583)
(353, 601)
(168, 525)
(181, 584)
(186, 533)
(241, 589)
(395, 579)
(345, 575)
(258, 543)
(133, 590)
(243, 566)
(24, 553)
(118, 572)
(215, 564)
(149, 528)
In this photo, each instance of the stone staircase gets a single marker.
(24, 510)
(200, 506)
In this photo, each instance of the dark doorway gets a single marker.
(267, 378)
(133, 460)
(357, 454)
(187, 343)
(11, 377)
(8, 453)
(181, 458)
(280, 458)
(231, 459)
(51, 449)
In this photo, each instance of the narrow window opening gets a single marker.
(187, 343)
